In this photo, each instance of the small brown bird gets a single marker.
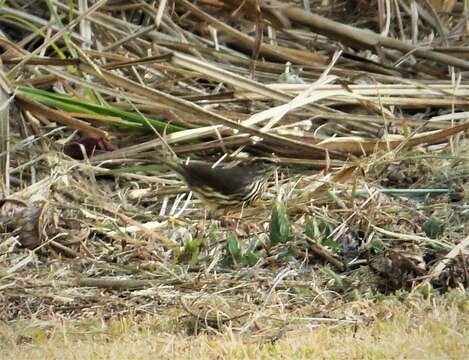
(225, 186)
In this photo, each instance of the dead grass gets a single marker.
(358, 241)
(408, 328)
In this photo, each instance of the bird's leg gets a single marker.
(211, 211)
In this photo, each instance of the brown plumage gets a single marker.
(224, 186)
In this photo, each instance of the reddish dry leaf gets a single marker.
(76, 148)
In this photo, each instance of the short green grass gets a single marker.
(415, 328)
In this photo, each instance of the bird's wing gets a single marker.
(223, 180)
